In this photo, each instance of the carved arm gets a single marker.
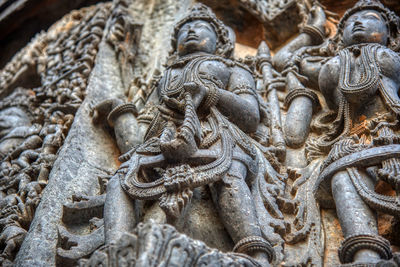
(122, 117)
(313, 33)
(239, 102)
(301, 100)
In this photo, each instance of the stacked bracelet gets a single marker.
(352, 244)
(243, 89)
(212, 97)
(317, 34)
(255, 243)
(120, 109)
(301, 92)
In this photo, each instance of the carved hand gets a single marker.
(174, 104)
(278, 83)
(197, 91)
(317, 17)
(294, 62)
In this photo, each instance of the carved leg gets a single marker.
(355, 217)
(119, 212)
(235, 205)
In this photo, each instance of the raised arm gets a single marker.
(312, 34)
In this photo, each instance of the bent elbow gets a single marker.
(281, 58)
(251, 122)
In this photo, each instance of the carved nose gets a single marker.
(191, 29)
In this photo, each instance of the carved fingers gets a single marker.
(278, 83)
(174, 104)
(197, 91)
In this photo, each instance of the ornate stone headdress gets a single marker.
(225, 42)
(392, 20)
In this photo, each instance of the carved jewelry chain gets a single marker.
(370, 79)
(370, 71)
(188, 75)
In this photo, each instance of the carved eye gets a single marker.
(184, 28)
(203, 25)
(372, 17)
(351, 19)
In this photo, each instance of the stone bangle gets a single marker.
(212, 97)
(317, 34)
(120, 109)
(352, 244)
(301, 92)
(255, 243)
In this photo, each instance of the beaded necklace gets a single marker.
(368, 83)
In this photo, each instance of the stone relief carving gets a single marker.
(190, 142)
(47, 81)
(366, 106)
(132, 134)
(357, 128)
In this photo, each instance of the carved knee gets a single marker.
(113, 183)
(341, 181)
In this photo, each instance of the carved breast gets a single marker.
(202, 71)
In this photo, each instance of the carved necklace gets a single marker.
(182, 61)
(190, 73)
(368, 83)
(369, 80)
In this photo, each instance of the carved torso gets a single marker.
(388, 63)
(200, 70)
(361, 84)
(209, 69)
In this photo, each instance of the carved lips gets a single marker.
(358, 28)
(191, 37)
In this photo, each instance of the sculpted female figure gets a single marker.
(199, 136)
(360, 84)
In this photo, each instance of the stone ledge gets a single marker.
(153, 244)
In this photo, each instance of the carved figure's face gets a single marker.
(366, 26)
(196, 36)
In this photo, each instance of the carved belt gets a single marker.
(153, 190)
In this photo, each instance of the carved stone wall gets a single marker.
(77, 100)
